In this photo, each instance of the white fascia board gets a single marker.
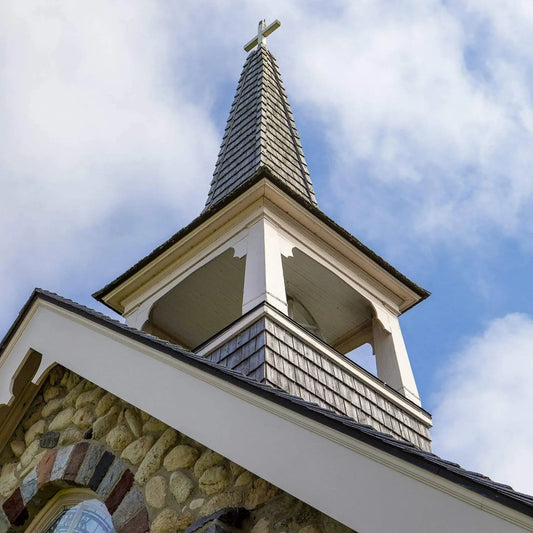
(210, 234)
(228, 219)
(346, 249)
(365, 488)
(300, 237)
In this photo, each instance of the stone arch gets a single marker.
(87, 465)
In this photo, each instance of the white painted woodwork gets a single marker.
(138, 316)
(392, 361)
(191, 293)
(226, 228)
(205, 302)
(357, 484)
(263, 279)
(335, 305)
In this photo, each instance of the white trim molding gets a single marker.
(354, 482)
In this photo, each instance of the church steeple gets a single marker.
(260, 132)
(265, 283)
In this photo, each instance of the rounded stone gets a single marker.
(29, 453)
(181, 486)
(70, 380)
(89, 385)
(104, 424)
(135, 451)
(105, 403)
(156, 492)
(134, 422)
(197, 503)
(62, 419)
(152, 462)
(17, 447)
(50, 393)
(119, 437)
(214, 480)
(244, 479)
(70, 436)
(309, 529)
(235, 469)
(89, 397)
(35, 431)
(8, 479)
(168, 521)
(260, 493)
(56, 375)
(208, 459)
(182, 456)
(84, 417)
(221, 501)
(262, 526)
(33, 417)
(52, 407)
(72, 396)
(152, 425)
(24, 470)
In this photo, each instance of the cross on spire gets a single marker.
(263, 31)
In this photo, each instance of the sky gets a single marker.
(416, 119)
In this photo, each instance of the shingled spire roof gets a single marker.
(260, 133)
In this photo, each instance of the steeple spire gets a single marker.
(260, 132)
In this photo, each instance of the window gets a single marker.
(299, 313)
(73, 511)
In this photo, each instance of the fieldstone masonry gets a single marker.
(150, 476)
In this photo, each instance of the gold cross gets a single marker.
(263, 31)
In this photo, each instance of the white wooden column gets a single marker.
(392, 361)
(263, 278)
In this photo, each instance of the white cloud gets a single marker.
(428, 111)
(108, 143)
(99, 139)
(107, 114)
(483, 411)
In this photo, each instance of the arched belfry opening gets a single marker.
(339, 315)
(202, 304)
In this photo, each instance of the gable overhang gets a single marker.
(214, 226)
(361, 481)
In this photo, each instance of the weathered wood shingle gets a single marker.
(271, 354)
(260, 133)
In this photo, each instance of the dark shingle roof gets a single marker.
(260, 133)
(478, 483)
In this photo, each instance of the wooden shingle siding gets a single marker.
(270, 353)
(260, 132)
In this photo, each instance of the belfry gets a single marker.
(264, 283)
(227, 401)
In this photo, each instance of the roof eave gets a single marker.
(262, 173)
(402, 450)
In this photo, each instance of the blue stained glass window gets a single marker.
(90, 516)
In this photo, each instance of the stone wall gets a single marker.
(77, 434)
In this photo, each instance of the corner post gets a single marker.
(263, 278)
(392, 361)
